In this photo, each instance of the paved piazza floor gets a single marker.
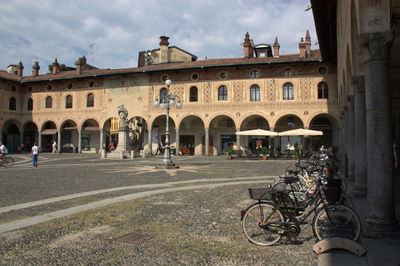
(76, 209)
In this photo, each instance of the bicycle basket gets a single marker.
(261, 193)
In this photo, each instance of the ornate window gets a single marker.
(49, 102)
(90, 100)
(30, 104)
(288, 91)
(255, 93)
(12, 104)
(222, 93)
(323, 90)
(68, 101)
(193, 94)
(163, 95)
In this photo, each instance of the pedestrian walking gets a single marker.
(35, 154)
(3, 152)
(54, 147)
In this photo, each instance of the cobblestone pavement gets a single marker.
(188, 216)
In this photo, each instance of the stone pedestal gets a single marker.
(123, 138)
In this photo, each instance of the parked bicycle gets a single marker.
(276, 213)
(7, 161)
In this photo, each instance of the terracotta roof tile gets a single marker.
(219, 62)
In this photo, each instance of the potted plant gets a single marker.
(229, 150)
(264, 152)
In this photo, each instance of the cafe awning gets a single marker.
(91, 129)
(256, 132)
(301, 132)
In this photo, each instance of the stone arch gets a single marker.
(11, 135)
(158, 128)
(222, 129)
(90, 139)
(288, 122)
(328, 124)
(110, 131)
(192, 135)
(254, 121)
(213, 116)
(30, 136)
(69, 135)
(138, 132)
(48, 133)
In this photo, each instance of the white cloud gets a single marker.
(42, 30)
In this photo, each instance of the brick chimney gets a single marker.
(164, 49)
(35, 69)
(276, 48)
(248, 46)
(308, 44)
(20, 69)
(302, 48)
(78, 64)
(56, 67)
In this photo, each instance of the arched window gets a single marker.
(193, 94)
(255, 93)
(30, 104)
(49, 102)
(13, 104)
(222, 93)
(288, 91)
(90, 100)
(163, 95)
(323, 90)
(68, 102)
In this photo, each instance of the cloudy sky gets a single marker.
(111, 33)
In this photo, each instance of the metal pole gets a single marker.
(167, 152)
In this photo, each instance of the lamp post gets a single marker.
(166, 102)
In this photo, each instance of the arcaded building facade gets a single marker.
(263, 89)
(363, 38)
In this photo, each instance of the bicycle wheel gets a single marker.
(345, 200)
(262, 224)
(8, 162)
(336, 221)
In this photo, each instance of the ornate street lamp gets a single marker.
(166, 102)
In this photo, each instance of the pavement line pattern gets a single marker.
(73, 210)
(94, 192)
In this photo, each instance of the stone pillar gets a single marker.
(380, 184)
(207, 141)
(238, 142)
(79, 140)
(150, 144)
(177, 141)
(40, 140)
(271, 144)
(101, 140)
(59, 142)
(360, 136)
(21, 138)
(350, 138)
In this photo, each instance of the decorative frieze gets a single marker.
(207, 92)
(238, 91)
(271, 90)
(305, 89)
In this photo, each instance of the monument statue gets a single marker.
(123, 114)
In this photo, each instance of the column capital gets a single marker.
(359, 84)
(377, 43)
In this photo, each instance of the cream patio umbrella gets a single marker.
(256, 132)
(301, 132)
